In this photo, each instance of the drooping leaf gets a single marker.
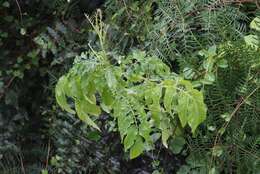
(88, 89)
(153, 96)
(90, 108)
(168, 97)
(137, 148)
(61, 95)
(111, 79)
(166, 131)
(165, 136)
(142, 107)
(84, 116)
(123, 121)
(191, 108)
(130, 138)
(197, 110)
(182, 109)
(145, 130)
(107, 97)
(176, 144)
(74, 89)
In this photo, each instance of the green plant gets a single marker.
(209, 44)
(229, 141)
(184, 27)
(126, 27)
(138, 91)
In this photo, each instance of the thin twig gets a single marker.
(48, 154)
(6, 87)
(127, 12)
(257, 3)
(21, 161)
(20, 11)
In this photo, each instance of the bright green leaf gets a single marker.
(130, 138)
(166, 131)
(145, 130)
(182, 109)
(252, 40)
(84, 116)
(44, 171)
(255, 24)
(61, 95)
(111, 79)
(165, 136)
(168, 97)
(107, 97)
(191, 108)
(124, 122)
(137, 148)
(212, 51)
(223, 63)
(210, 77)
(197, 110)
(90, 108)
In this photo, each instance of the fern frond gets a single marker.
(188, 26)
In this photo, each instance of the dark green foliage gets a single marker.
(201, 40)
(36, 48)
(129, 23)
(229, 140)
(240, 142)
(81, 149)
(182, 27)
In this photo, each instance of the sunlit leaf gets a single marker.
(191, 109)
(197, 110)
(252, 40)
(111, 79)
(168, 97)
(137, 149)
(84, 116)
(255, 24)
(130, 137)
(61, 95)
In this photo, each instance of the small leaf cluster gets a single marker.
(252, 40)
(208, 62)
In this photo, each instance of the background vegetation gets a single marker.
(211, 43)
